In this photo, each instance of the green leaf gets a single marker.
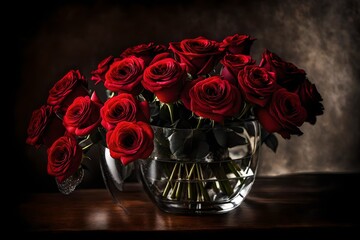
(202, 150)
(269, 139)
(188, 144)
(220, 136)
(236, 138)
(177, 140)
(199, 145)
(161, 143)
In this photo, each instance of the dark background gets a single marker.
(321, 37)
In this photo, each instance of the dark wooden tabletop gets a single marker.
(297, 205)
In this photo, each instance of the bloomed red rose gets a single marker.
(64, 158)
(125, 75)
(257, 84)
(63, 93)
(165, 78)
(238, 44)
(284, 114)
(44, 127)
(200, 54)
(130, 141)
(83, 116)
(123, 107)
(213, 98)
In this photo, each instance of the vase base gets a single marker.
(198, 208)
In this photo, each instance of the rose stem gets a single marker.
(171, 110)
(204, 193)
(167, 187)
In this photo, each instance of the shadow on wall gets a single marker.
(317, 36)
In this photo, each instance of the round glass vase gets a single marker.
(194, 171)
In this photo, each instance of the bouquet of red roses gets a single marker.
(193, 83)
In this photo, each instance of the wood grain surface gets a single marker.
(295, 205)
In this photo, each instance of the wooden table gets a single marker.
(290, 206)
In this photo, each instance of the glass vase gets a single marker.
(69, 185)
(193, 171)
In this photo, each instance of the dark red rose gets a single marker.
(213, 98)
(200, 54)
(123, 107)
(98, 75)
(185, 93)
(160, 56)
(232, 64)
(257, 84)
(83, 115)
(284, 114)
(145, 51)
(125, 76)
(130, 141)
(287, 74)
(238, 44)
(44, 127)
(311, 100)
(64, 158)
(63, 93)
(165, 78)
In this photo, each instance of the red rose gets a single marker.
(287, 74)
(311, 100)
(44, 127)
(125, 76)
(165, 78)
(257, 84)
(145, 51)
(233, 63)
(213, 98)
(130, 141)
(98, 75)
(284, 114)
(200, 54)
(238, 44)
(64, 158)
(83, 115)
(63, 93)
(160, 56)
(123, 107)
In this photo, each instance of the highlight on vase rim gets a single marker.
(193, 83)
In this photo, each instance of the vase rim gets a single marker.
(227, 125)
